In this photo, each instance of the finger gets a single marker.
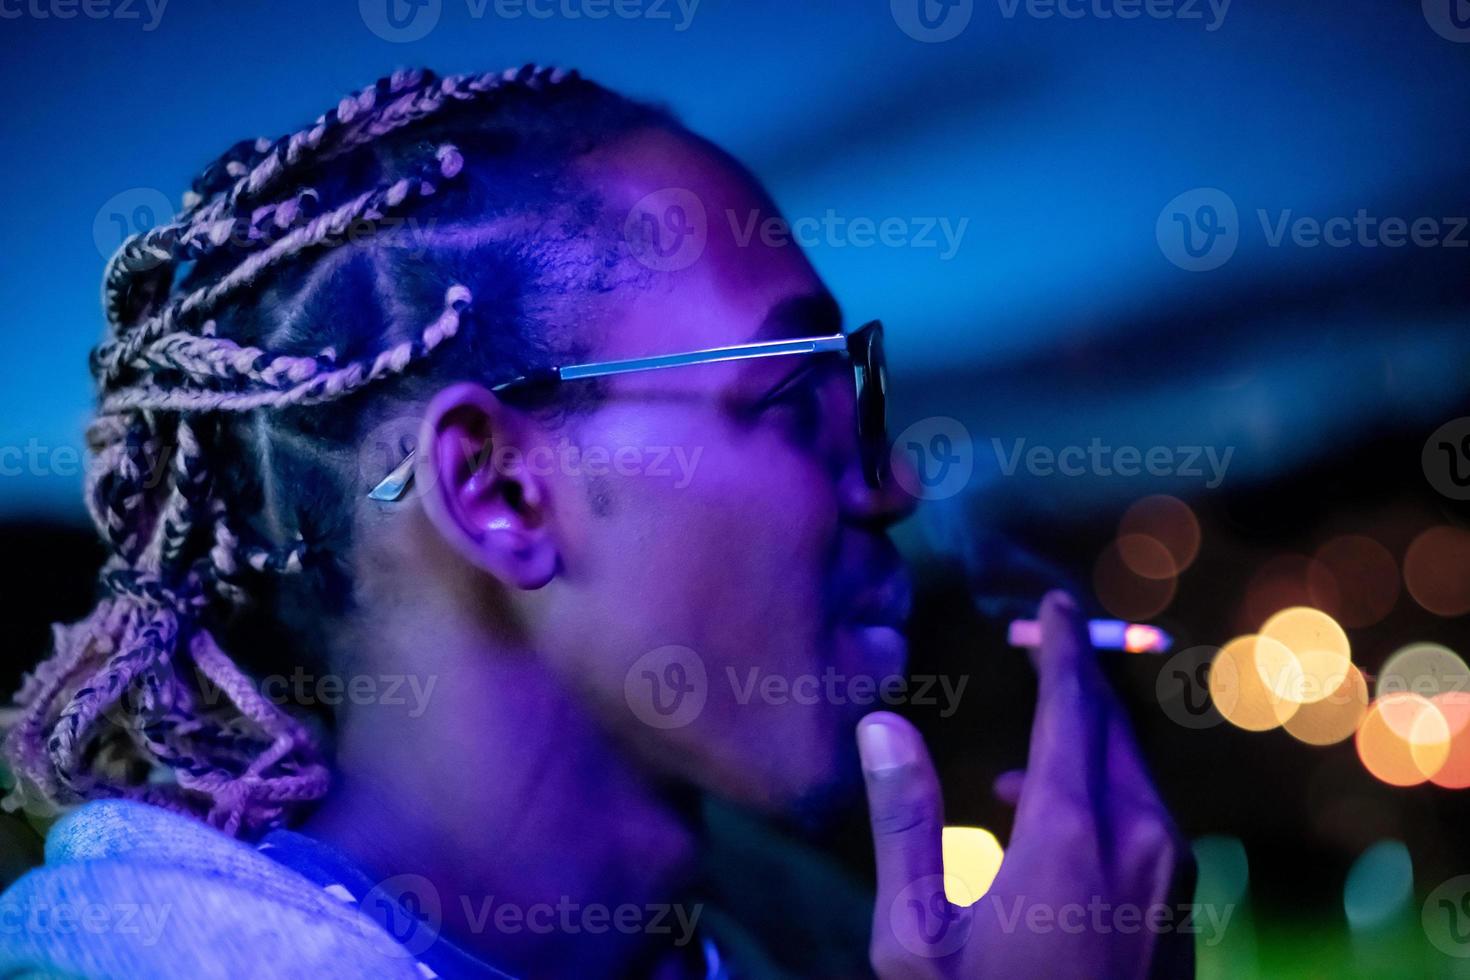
(1068, 753)
(1008, 785)
(907, 813)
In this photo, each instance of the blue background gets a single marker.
(1058, 140)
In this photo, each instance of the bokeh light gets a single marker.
(1425, 669)
(1317, 659)
(1455, 772)
(972, 856)
(1356, 577)
(1166, 521)
(1285, 581)
(1224, 871)
(1334, 718)
(1146, 556)
(1238, 689)
(1126, 594)
(1404, 739)
(1379, 885)
(1437, 570)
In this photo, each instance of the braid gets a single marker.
(140, 699)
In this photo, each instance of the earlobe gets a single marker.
(477, 491)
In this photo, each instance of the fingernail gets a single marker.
(883, 747)
(1064, 601)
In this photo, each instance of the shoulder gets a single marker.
(133, 890)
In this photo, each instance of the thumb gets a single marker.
(907, 813)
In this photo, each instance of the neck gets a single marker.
(549, 851)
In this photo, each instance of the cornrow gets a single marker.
(393, 102)
(327, 229)
(139, 699)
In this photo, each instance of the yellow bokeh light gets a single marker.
(972, 859)
(1335, 717)
(1319, 655)
(1404, 739)
(1238, 689)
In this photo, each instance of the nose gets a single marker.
(877, 507)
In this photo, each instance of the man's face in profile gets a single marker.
(726, 580)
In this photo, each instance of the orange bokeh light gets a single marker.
(1285, 581)
(1356, 577)
(1335, 717)
(1404, 739)
(1437, 570)
(1166, 520)
(1455, 772)
(1125, 593)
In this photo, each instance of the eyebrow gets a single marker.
(814, 314)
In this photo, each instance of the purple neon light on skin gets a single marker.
(1106, 634)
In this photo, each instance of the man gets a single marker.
(573, 609)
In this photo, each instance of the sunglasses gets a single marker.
(863, 349)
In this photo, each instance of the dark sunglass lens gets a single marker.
(872, 402)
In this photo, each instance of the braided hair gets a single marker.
(241, 339)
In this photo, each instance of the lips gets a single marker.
(886, 604)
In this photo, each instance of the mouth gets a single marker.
(887, 604)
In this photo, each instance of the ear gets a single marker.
(477, 490)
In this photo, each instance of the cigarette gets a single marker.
(1106, 634)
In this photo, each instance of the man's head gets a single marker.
(639, 555)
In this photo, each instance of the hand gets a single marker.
(1093, 856)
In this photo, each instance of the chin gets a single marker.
(870, 650)
(807, 788)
